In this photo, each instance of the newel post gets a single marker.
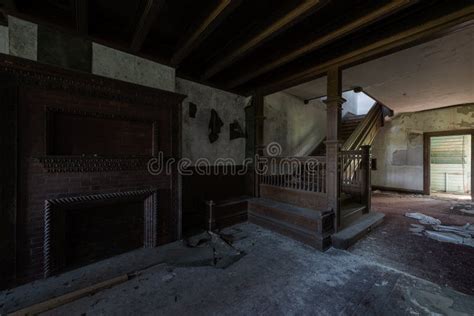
(259, 103)
(333, 144)
(367, 176)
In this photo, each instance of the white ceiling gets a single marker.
(436, 74)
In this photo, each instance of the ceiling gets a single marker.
(246, 46)
(436, 74)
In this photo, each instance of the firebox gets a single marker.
(85, 229)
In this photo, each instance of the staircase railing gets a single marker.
(296, 173)
(356, 174)
(366, 131)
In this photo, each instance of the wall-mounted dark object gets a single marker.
(215, 125)
(192, 110)
(236, 130)
(374, 164)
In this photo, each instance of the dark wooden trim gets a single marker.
(208, 25)
(401, 190)
(409, 38)
(31, 73)
(469, 131)
(82, 16)
(426, 164)
(145, 23)
(297, 14)
(372, 17)
(9, 180)
(426, 155)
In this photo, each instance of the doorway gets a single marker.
(448, 164)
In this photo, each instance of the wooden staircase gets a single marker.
(309, 226)
(348, 126)
(295, 202)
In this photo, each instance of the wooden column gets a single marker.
(333, 144)
(367, 170)
(8, 183)
(258, 101)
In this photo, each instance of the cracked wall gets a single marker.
(399, 145)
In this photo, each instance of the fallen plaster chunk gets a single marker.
(417, 229)
(450, 238)
(466, 231)
(470, 212)
(424, 219)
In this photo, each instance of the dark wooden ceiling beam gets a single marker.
(208, 25)
(9, 5)
(82, 16)
(402, 40)
(301, 11)
(145, 23)
(389, 9)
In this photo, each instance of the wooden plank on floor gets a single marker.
(70, 297)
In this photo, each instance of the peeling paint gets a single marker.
(399, 145)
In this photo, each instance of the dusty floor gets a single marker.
(388, 273)
(392, 243)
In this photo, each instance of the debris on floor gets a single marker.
(417, 229)
(214, 250)
(464, 208)
(424, 219)
(459, 235)
(466, 231)
(450, 237)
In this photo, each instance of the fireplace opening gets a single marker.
(98, 232)
(81, 230)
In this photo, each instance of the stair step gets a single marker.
(287, 208)
(299, 223)
(350, 235)
(351, 213)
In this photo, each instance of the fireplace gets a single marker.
(76, 154)
(85, 229)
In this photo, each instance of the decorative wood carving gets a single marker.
(44, 89)
(44, 76)
(55, 164)
(95, 163)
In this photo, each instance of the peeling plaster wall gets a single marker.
(23, 38)
(399, 145)
(296, 126)
(4, 40)
(20, 39)
(115, 64)
(195, 135)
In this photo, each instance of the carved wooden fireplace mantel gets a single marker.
(70, 137)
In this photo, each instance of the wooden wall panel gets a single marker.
(8, 183)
